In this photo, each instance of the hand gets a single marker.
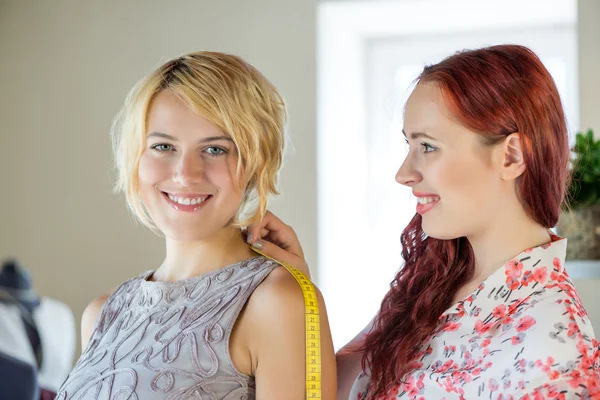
(277, 240)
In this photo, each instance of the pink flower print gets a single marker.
(493, 385)
(448, 384)
(593, 386)
(413, 391)
(527, 278)
(573, 329)
(558, 277)
(512, 282)
(499, 311)
(546, 245)
(553, 374)
(451, 326)
(518, 339)
(576, 378)
(537, 395)
(540, 275)
(581, 347)
(449, 350)
(480, 327)
(514, 307)
(557, 264)
(513, 268)
(521, 385)
(552, 393)
(525, 323)
(412, 387)
(446, 366)
(420, 383)
(586, 361)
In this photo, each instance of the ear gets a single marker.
(512, 160)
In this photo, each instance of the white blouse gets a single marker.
(523, 334)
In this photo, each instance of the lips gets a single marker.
(187, 202)
(426, 201)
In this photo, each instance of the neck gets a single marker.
(189, 259)
(511, 233)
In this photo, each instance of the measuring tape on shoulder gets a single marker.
(313, 329)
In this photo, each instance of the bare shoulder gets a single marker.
(277, 340)
(280, 283)
(89, 317)
(280, 293)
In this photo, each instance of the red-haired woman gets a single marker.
(482, 307)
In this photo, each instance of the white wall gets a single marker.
(65, 69)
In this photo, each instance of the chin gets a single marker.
(439, 231)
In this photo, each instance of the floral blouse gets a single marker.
(522, 334)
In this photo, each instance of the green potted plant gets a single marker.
(580, 219)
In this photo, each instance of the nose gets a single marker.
(189, 169)
(408, 174)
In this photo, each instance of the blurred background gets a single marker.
(344, 67)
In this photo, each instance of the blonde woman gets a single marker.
(198, 146)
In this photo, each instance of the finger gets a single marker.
(287, 240)
(271, 224)
(272, 250)
(258, 229)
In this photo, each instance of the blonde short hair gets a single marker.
(232, 95)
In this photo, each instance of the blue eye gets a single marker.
(427, 147)
(162, 147)
(215, 151)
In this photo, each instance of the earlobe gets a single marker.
(513, 160)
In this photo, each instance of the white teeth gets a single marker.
(186, 201)
(426, 200)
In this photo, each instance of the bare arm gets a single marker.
(89, 317)
(278, 343)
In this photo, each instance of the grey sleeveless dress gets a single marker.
(168, 340)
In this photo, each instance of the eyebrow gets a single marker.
(173, 138)
(416, 135)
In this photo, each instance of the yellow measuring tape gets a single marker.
(313, 329)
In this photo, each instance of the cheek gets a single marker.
(223, 175)
(152, 170)
(462, 179)
(224, 179)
